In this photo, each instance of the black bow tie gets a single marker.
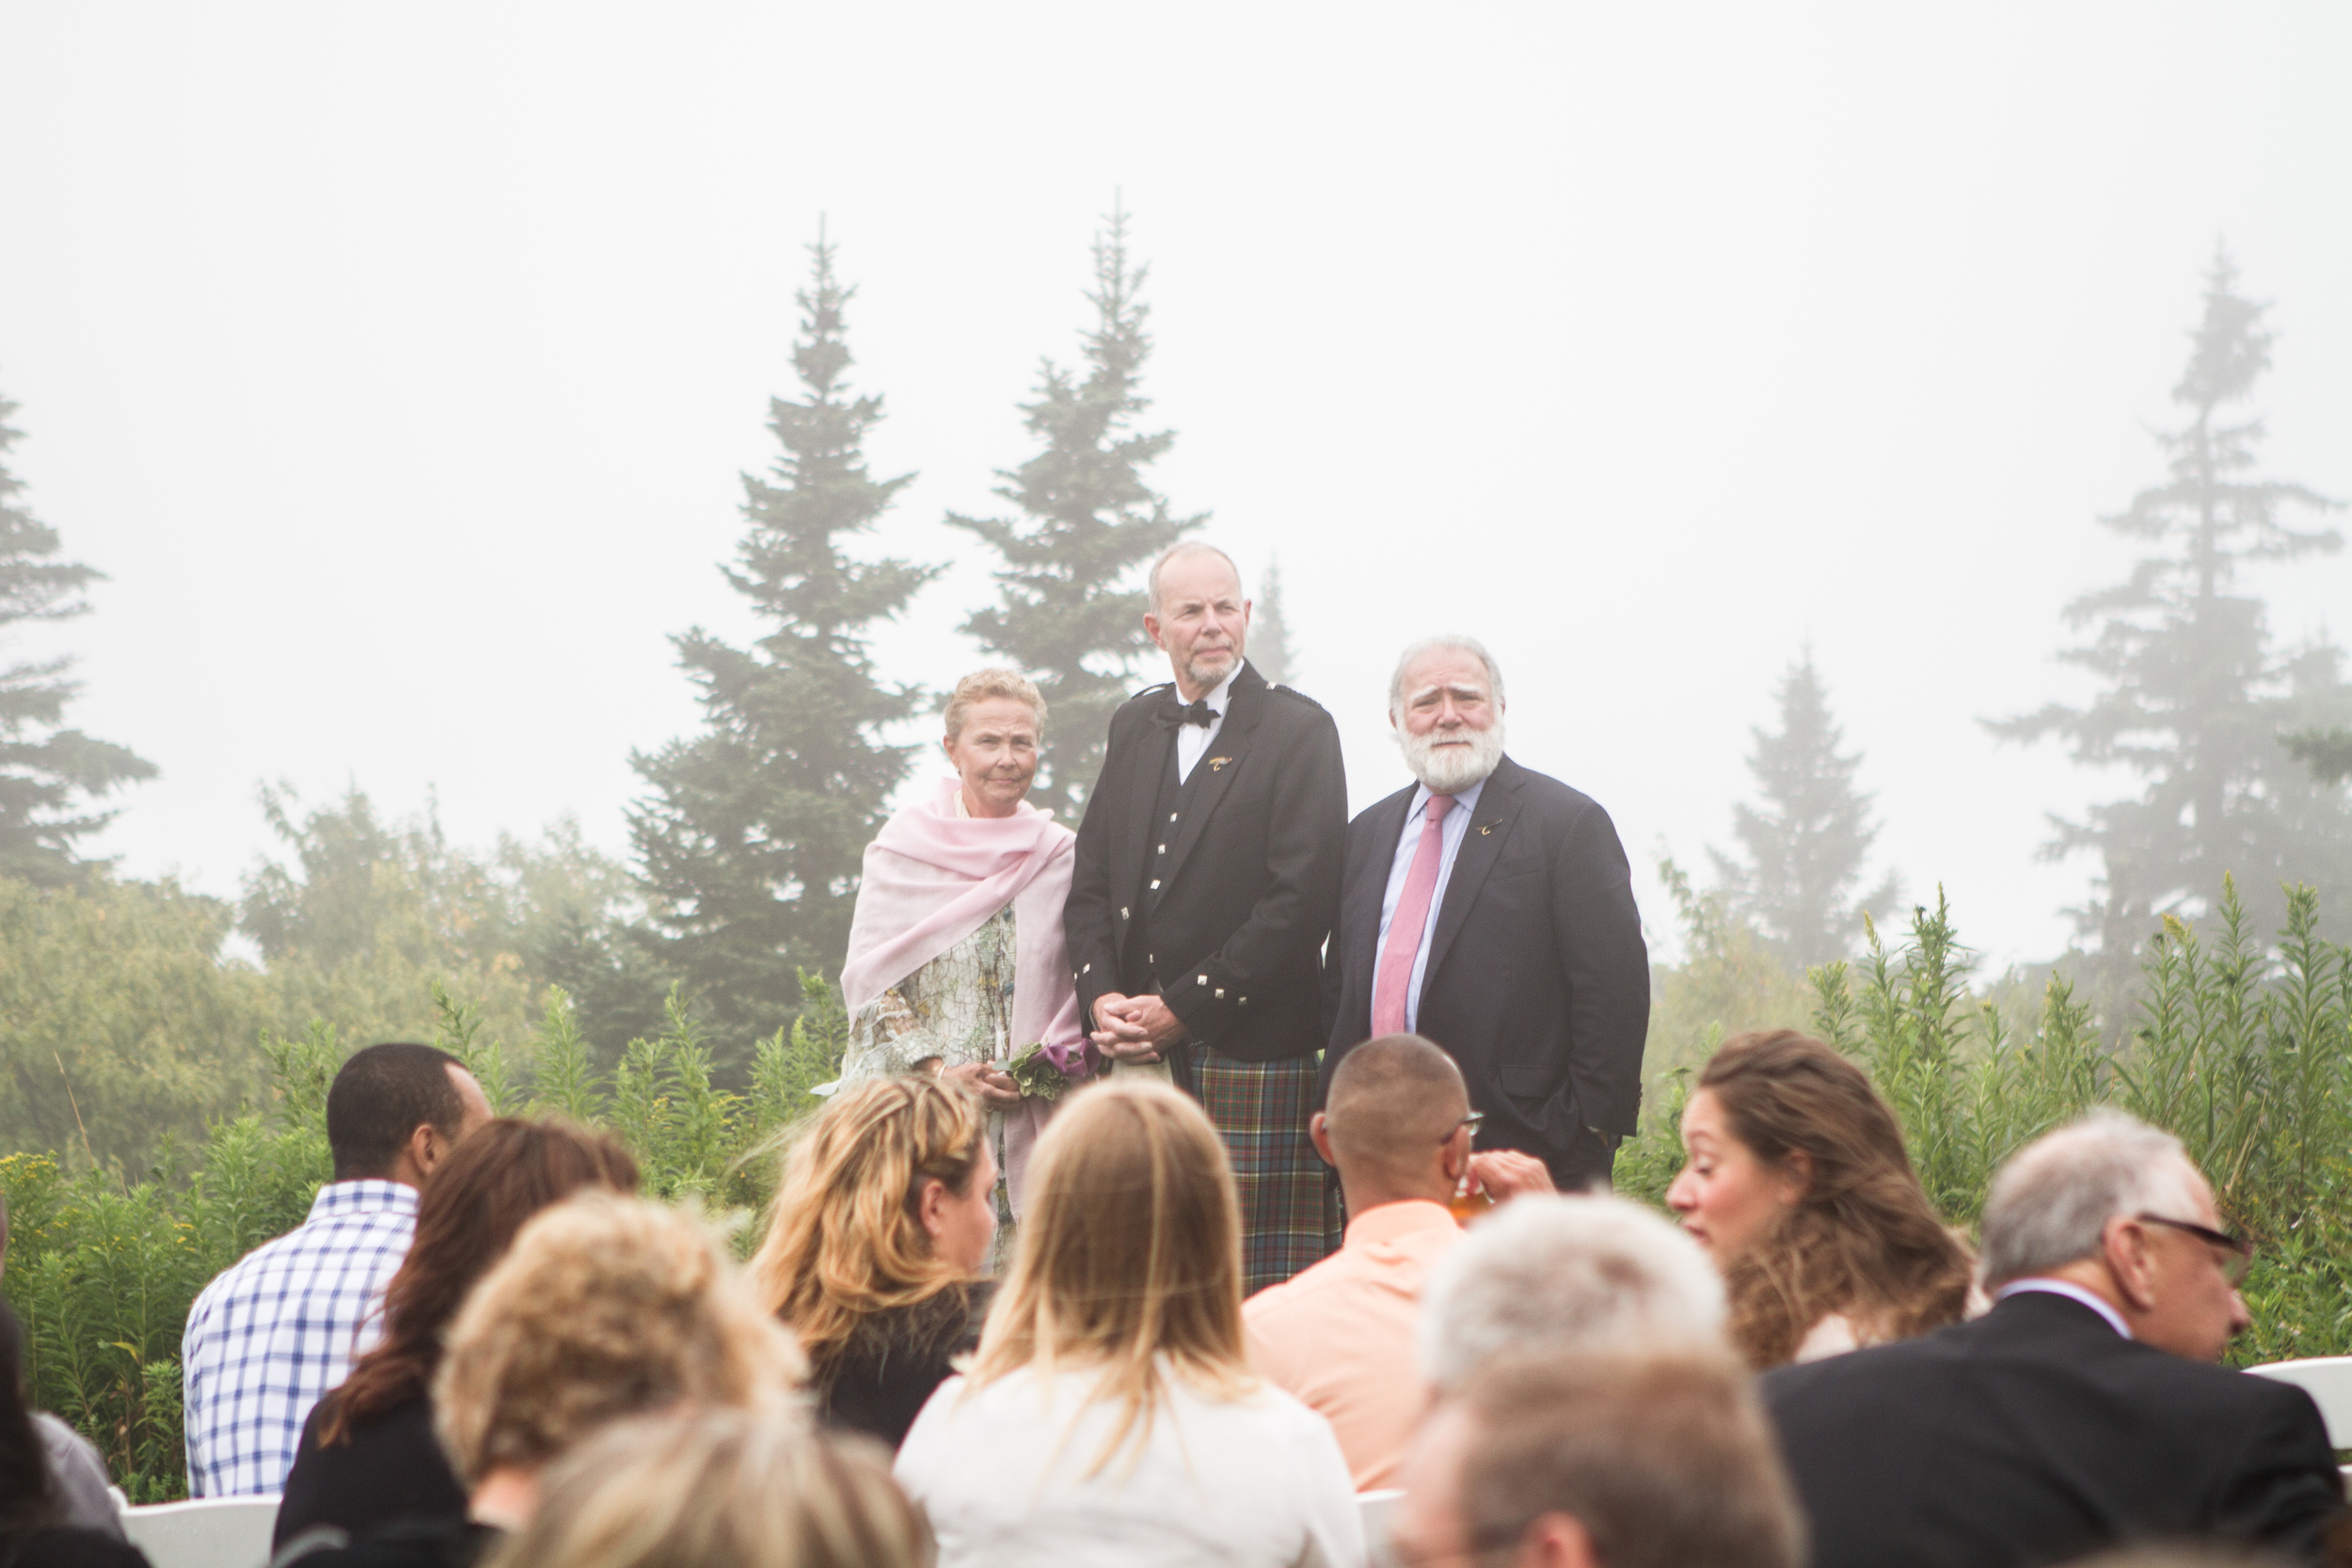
(1174, 713)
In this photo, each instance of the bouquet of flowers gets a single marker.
(1044, 1072)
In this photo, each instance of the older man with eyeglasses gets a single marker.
(2084, 1410)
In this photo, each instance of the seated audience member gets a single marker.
(703, 1488)
(1630, 1459)
(2082, 1411)
(55, 1509)
(605, 1306)
(369, 1455)
(1340, 1336)
(1110, 1417)
(1567, 1275)
(1798, 1184)
(281, 1325)
(878, 1231)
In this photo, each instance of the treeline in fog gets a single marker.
(131, 1021)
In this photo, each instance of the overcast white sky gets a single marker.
(398, 362)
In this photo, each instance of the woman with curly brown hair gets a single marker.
(880, 1228)
(1797, 1183)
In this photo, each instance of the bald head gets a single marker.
(1218, 567)
(1394, 1101)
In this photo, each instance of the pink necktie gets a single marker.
(1405, 928)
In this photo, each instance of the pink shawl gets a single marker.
(932, 879)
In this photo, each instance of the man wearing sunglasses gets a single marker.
(2082, 1411)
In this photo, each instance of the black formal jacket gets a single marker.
(1537, 980)
(1248, 885)
(2037, 1434)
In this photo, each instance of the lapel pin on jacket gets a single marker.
(1218, 762)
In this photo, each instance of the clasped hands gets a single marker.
(1134, 1028)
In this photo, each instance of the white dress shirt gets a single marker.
(1456, 823)
(2072, 1291)
(1192, 741)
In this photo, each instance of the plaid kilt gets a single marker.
(1289, 1209)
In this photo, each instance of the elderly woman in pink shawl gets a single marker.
(957, 964)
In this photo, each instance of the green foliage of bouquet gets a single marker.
(1035, 1071)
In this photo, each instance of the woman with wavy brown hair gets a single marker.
(1796, 1181)
(882, 1226)
(368, 1454)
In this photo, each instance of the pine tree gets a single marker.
(750, 842)
(2193, 701)
(1270, 637)
(48, 774)
(1804, 848)
(1064, 614)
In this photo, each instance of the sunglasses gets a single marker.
(2237, 1252)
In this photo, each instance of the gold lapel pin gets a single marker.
(1215, 764)
(1485, 830)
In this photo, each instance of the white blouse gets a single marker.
(1256, 1482)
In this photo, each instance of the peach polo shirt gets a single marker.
(1339, 1337)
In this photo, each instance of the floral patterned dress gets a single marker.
(956, 1009)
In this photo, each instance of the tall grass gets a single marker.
(102, 1269)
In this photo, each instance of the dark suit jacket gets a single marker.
(1250, 884)
(2037, 1434)
(1537, 980)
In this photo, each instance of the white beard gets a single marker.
(1451, 769)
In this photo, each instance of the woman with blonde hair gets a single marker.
(882, 1225)
(705, 1488)
(605, 1306)
(1797, 1183)
(957, 964)
(1110, 1417)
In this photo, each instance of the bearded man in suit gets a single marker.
(1206, 877)
(1490, 908)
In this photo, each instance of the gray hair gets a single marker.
(1453, 641)
(1176, 551)
(1568, 1273)
(2050, 1204)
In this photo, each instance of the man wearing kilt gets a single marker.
(1207, 877)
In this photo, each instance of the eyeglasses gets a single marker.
(2238, 1252)
(1474, 1121)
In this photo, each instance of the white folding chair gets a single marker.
(2327, 1379)
(1374, 1508)
(204, 1533)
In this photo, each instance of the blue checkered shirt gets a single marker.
(279, 1327)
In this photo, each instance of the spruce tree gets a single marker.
(1068, 614)
(1804, 847)
(751, 841)
(1269, 636)
(2193, 699)
(48, 774)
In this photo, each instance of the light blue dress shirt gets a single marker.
(1457, 823)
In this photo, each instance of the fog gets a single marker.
(398, 363)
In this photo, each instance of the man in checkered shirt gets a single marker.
(283, 1324)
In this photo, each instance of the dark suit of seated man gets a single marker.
(2084, 1410)
(1489, 908)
